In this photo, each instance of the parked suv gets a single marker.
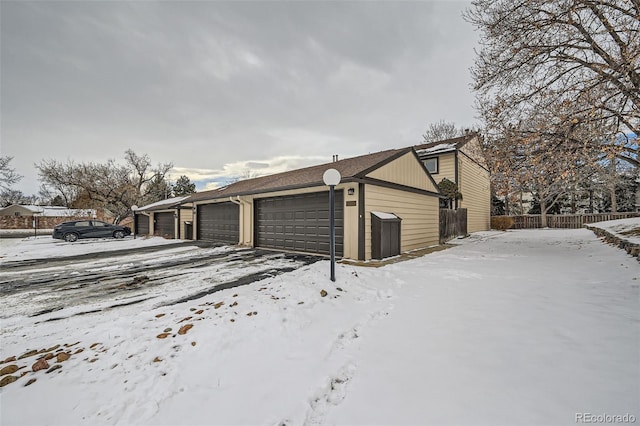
(71, 231)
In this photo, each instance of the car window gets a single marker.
(83, 223)
(98, 224)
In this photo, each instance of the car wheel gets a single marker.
(118, 234)
(71, 237)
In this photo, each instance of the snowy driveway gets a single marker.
(512, 328)
(96, 280)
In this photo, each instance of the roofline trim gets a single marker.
(279, 189)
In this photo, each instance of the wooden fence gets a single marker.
(567, 221)
(452, 224)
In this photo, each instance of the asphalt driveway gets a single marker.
(93, 282)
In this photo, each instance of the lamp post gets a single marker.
(133, 210)
(331, 178)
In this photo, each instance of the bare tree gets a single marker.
(580, 54)
(441, 130)
(8, 175)
(13, 196)
(112, 186)
(541, 157)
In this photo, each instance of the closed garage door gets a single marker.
(164, 225)
(142, 224)
(298, 222)
(219, 222)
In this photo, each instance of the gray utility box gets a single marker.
(385, 235)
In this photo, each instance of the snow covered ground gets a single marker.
(44, 246)
(628, 229)
(518, 327)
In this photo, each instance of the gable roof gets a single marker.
(51, 211)
(446, 145)
(30, 207)
(349, 168)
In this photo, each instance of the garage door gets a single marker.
(298, 222)
(142, 224)
(219, 222)
(164, 225)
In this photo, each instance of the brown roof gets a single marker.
(458, 142)
(349, 168)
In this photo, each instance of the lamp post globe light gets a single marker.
(331, 178)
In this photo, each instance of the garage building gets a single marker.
(290, 211)
(165, 218)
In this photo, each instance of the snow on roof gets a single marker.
(168, 203)
(443, 147)
(382, 215)
(34, 209)
(67, 212)
(57, 211)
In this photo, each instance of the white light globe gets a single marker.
(331, 177)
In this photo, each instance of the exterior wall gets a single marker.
(152, 227)
(246, 221)
(473, 150)
(419, 214)
(351, 220)
(47, 222)
(407, 171)
(474, 185)
(43, 222)
(186, 215)
(446, 167)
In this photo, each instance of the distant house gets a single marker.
(166, 218)
(386, 203)
(461, 161)
(46, 211)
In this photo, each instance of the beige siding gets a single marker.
(351, 224)
(186, 215)
(405, 170)
(152, 223)
(419, 214)
(476, 194)
(446, 167)
(246, 221)
(473, 149)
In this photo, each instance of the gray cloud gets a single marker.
(208, 84)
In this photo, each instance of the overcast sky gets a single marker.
(218, 88)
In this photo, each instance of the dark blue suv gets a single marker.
(71, 231)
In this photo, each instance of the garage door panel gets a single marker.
(298, 222)
(219, 222)
(142, 224)
(164, 225)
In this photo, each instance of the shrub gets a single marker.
(501, 222)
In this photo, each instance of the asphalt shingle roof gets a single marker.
(349, 168)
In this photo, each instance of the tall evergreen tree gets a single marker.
(183, 187)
